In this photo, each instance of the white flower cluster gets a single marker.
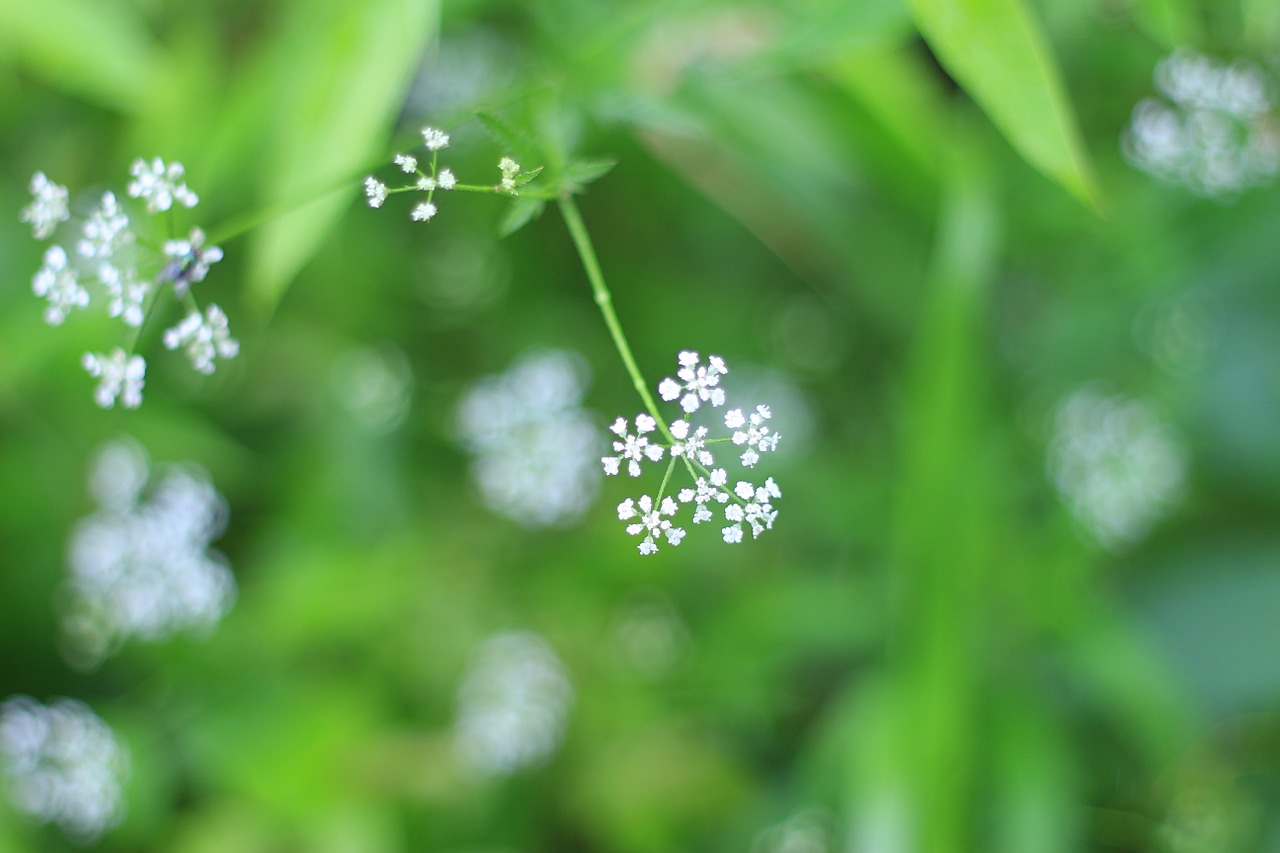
(141, 565)
(744, 505)
(63, 765)
(434, 141)
(204, 338)
(1116, 464)
(1216, 131)
(512, 706)
(110, 260)
(533, 443)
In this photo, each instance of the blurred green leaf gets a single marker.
(996, 51)
(102, 51)
(578, 173)
(1171, 22)
(514, 142)
(519, 214)
(945, 530)
(343, 73)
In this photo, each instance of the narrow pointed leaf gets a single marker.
(343, 78)
(997, 52)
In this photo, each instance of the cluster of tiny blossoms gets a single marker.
(435, 178)
(743, 505)
(109, 262)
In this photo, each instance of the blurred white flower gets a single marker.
(375, 384)
(808, 831)
(203, 338)
(63, 765)
(160, 185)
(1217, 132)
(1115, 463)
(120, 376)
(141, 565)
(191, 260)
(47, 208)
(512, 706)
(649, 634)
(59, 284)
(534, 446)
(110, 255)
(106, 229)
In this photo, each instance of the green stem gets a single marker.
(604, 301)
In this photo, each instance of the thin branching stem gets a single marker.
(604, 301)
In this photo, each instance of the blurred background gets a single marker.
(1005, 271)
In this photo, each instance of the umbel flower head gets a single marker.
(63, 765)
(432, 178)
(742, 506)
(142, 565)
(111, 266)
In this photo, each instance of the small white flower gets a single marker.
(426, 184)
(205, 338)
(57, 282)
(423, 212)
(120, 376)
(701, 383)
(160, 185)
(634, 448)
(48, 208)
(691, 446)
(434, 139)
(375, 191)
(407, 164)
(105, 230)
(509, 169)
(446, 179)
(653, 522)
(757, 437)
(732, 534)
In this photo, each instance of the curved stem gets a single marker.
(604, 301)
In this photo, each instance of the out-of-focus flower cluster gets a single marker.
(112, 264)
(533, 443)
(808, 831)
(1215, 131)
(62, 765)
(141, 565)
(513, 705)
(435, 178)
(744, 505)
(1117, 465)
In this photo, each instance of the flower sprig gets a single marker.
(127, 271)
(434, 178)
(743, 506)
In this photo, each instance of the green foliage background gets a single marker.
(934, 244)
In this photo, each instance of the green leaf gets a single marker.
(996, 51)
(516, 143)
(99, 50)
(521, 212)
(343, 71)
(525, 177)
(578, 173)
